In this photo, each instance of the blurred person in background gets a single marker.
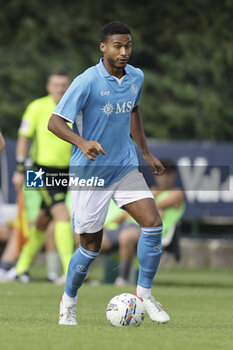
(2, 142)
(46, 153)
(170, 201)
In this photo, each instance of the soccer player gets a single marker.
(2, 142)
(105, 98)
(50, 154)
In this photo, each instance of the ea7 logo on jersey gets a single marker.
(124, 107)
(104, 93)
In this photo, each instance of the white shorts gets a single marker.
(90, 207)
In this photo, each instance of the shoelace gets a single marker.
(156, 303)
(70, 314)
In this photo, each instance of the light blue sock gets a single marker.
(149, 252)
(78, 269)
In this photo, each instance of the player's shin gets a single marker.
(149, 252)
(78, 269)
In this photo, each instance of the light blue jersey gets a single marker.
(100, 106)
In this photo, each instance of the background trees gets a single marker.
(185, 49)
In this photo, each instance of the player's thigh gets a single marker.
(89, 210)
(134, 195)
(145, 212)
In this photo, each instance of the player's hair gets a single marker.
(114, 27)
(61, 72)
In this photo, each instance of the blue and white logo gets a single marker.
(81, 268)
(108, 109)
(134, 89)
(35, 178)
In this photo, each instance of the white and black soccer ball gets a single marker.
(125, 310)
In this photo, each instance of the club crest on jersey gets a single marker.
(134, 89)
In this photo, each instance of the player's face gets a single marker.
(57, 86)
(117, 50)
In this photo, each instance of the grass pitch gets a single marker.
(200, 303)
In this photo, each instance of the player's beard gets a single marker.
(113, 64)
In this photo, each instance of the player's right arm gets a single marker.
(72, 102)
(59, 127)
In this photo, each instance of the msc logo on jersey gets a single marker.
(35, 178)
(124, 107)
(107, 109)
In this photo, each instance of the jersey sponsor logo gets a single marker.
(104, 93)
(124, 107)
(107, 109)
(35, 178)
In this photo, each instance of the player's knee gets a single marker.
(91, 241)
(152, 222)
(92, 246)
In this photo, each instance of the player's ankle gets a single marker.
(142, 292)
(69, 301)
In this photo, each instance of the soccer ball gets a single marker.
(125, 310)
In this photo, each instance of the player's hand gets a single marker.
(156, 166)
(18, 180)
(91, 149)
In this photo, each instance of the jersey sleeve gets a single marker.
(28, 123)
(74, 99)
(141, 77)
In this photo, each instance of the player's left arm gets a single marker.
(138, 135)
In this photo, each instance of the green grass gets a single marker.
(200, 303)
